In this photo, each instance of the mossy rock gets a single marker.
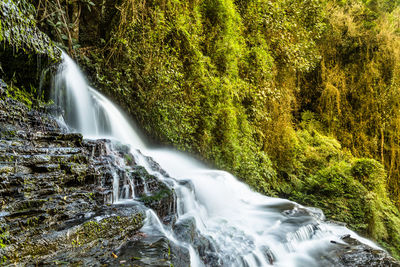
(26, 53)
(18, 29)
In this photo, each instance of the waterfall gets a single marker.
(240, 226)
(87, 111)
(72, 94)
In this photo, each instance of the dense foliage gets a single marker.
(24, 52)
(298, 98)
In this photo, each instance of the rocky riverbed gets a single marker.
(56, 195)
(56, 192)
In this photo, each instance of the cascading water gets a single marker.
(238, 226)
(72, 94)
(86, 110)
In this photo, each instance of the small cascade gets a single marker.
(115, 188)
(132, 188)
(145, 187)
(87, 111)
(71, 92)
(218, 220)
(125, 192)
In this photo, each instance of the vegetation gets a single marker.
(297, 98)
(24, 52)
(351, 190)
(18, 29)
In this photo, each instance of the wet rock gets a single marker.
(351, 252)
(19, 30)
(185, 230)
(148, 251)
(207, 251)
(56, 191)
(187, 183)
(347, 252)
(3, 87)
(88, 243)
(154, 166)
(155, 194)
(179, 255)
(355, 253)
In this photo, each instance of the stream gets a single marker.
(230, 224)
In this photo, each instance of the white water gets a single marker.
(87, 111)
(244, 227)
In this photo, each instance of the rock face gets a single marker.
(155, 195)
(28, 57)
(56, 191)
(18, 29)
(354, 253)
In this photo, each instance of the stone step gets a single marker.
(20, 148)
(39, 159)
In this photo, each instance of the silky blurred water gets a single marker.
(243, 227)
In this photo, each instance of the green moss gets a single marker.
(162, 194)
(87, 235)
(6, 169)
(21, 95)
(128, 159)
(4, 237)
(108, 227)
(8, 133)
(18, 28)
(7, 158)
(1, 35)
(201, 76)
(140, 173)
(32, 222)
